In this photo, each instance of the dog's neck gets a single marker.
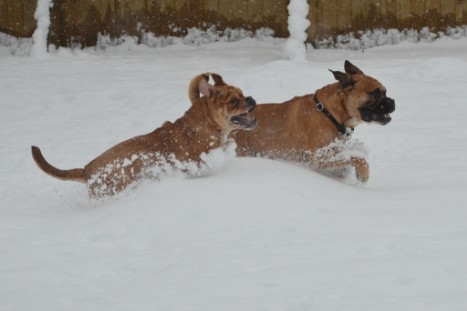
(197, 121)
(333, 93)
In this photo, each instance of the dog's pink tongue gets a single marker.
(246, 120)
(248, 117)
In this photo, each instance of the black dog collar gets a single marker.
(340, 127)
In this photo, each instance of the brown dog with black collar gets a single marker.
(205, 126)
(304, 128)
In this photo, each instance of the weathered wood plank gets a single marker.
(329, 15)
(255, 13)
(241, 10)
(12, 17)
(4, 16)
(448, 11)
(210, 5)
(359, 15)
(403, 14)
(29, 22)
(391, 14)
(418, 13)
(376, 13)
(461, 12)
(227, 9)
(315, 29)
(344, 16)
(282, 17)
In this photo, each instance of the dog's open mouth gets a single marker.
(378, 111)
(244, 120)
(375, 116)
(383, 119)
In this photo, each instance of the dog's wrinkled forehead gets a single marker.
(367, 84)
(227, 91)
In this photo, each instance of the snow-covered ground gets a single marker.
(254, 234)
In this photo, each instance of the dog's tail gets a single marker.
(193, 89)
(76, 174)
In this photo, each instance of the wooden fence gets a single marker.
(81, 20)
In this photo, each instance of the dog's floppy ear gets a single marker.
(217, 79)
(344, 79)
(351, 68)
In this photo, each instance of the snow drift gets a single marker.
(254, 234)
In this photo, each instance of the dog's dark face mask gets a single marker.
(378, 107)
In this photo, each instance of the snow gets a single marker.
(298, 23)
(42, 15)
(250, 233)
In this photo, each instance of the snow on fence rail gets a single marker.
(80, 21)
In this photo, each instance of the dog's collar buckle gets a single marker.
(319, 106)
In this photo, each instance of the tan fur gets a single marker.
(294, 130)
(202, 128)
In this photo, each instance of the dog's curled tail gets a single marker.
(199, 85)
(193, 89)
(76, 174)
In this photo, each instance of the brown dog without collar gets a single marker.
(204, 126)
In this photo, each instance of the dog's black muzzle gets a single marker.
(250, 102)
(378, 111)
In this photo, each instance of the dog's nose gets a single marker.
(251, 102)
(389, 105)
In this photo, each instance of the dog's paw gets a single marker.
(362, 169)
(363, 178)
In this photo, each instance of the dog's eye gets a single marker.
(377, 94)
(234, 102)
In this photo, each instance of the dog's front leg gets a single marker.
(362, 169)
(331, 159)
